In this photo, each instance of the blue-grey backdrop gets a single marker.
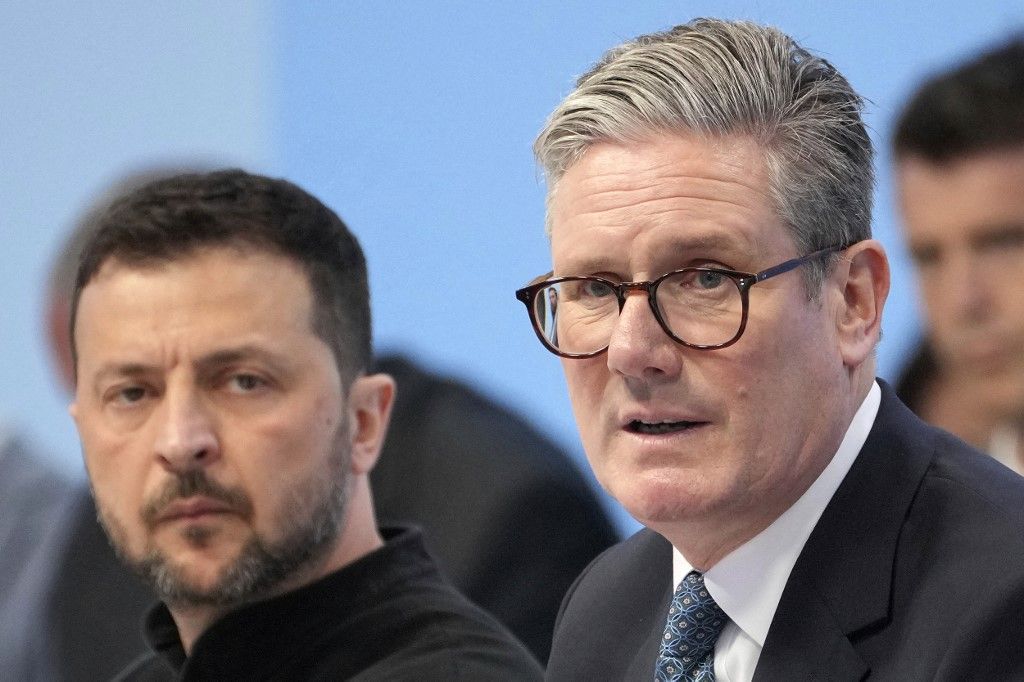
(413, 120)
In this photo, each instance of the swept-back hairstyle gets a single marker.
(172, 218)
(715, 78)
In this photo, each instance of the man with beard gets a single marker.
(221, 335)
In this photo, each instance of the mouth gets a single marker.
(191, 509)
(661, 427)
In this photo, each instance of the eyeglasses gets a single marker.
(701, 308)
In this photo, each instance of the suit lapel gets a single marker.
(841, 584)
(809, 644)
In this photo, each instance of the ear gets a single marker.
(863, 276)
(369, 407)
(58, 333)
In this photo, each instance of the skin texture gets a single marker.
(771, 409)
(208, 367)
(964, 224)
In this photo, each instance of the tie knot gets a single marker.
(694, 623)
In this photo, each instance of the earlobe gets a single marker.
(864, 273)
(370, 401)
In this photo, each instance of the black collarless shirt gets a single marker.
(387, 616)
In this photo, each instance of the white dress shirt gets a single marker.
(748, 582)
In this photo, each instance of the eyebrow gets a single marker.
(230, 356)
(700, 242)
(126, 369)
(205, 364)
(998, 233)
(679, 245)
(115, 370)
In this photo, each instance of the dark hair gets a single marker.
(172, 218)
(975, 107)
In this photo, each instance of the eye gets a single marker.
(709, 280)
(245, 383)
(1001, 240)
(126, 395)
(925, 255)
(130, 394)
(595, 289)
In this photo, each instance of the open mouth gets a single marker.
(658, 428)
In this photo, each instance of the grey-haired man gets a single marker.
(719, 300)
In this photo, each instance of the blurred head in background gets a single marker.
(959, 166)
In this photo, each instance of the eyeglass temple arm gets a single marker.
(796, 262)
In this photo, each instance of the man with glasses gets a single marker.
(719, 300)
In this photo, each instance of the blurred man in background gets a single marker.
(959, 154)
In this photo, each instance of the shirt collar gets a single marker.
(748, 582)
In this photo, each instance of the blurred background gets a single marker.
(413, 120)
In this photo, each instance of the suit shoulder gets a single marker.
(625, 572)
(613, 614)
(980, 490)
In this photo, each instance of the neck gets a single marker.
(972, 406)
(358, 536)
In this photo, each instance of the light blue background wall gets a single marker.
(88, 92)
(412, 119)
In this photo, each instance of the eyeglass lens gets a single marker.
(699, 307)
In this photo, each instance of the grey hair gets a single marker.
(716, 78)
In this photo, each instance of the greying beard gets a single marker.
(308, 524)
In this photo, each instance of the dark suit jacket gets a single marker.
(915, 571)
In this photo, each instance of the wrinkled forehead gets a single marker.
(673, 194)
(223, 288)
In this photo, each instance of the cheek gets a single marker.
(117, 471)
(1012, 307)
(112, 462)
(771, 375)
(274, 454)
(586, 381)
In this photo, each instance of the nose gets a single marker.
(186, 437)
(639, 347)
(967, 287)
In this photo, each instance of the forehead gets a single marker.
(960, 198)
(668, 193)
(204, 297)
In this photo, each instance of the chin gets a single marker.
(656, 499)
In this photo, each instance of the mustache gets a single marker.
(192, 484)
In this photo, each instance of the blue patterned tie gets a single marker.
(694, 623)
